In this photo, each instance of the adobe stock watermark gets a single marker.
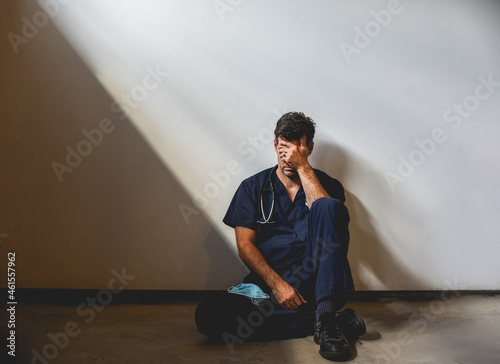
(153, 78)
(246, 327)
(223, 6)
(31, 25)
(420, 320)
(75, 155)
(249, 150)
(60, 340)
(93, 138)
(454, 116)
(309, 265)
(363, 36)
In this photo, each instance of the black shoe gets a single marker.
(327, 334)
(351, 324)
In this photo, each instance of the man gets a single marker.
(291, 229)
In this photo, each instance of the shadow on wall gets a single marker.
(370, 259)
(113, 204)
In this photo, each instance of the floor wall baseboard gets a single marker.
(152, 297)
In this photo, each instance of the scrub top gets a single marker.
(282, 241)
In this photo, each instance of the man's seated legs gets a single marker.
(326, 276)
(231, 318)
(325, 269)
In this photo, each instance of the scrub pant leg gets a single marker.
(325, 271)
(232, 319)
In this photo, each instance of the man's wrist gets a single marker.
(274, 281)
(303, 169)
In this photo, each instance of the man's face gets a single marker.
(285, 168)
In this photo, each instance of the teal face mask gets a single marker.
(254, 292)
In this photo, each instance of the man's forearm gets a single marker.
(311, 185)
(285, 294)
(254, 259)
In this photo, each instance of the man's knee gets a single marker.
(219, 314)
(327, 209)
(205, 319)
(328, 224)
(327, 204)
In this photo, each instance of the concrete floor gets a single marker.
(453, 329)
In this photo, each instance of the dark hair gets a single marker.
(293, 125)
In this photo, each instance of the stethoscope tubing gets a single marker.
(270, 183)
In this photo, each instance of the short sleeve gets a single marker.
(243, 208)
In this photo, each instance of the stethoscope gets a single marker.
(268, 187)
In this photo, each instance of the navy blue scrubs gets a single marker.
(307, 247)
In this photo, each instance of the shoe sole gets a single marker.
(337, 356)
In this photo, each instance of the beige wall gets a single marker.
(117, 208)
(424, 216)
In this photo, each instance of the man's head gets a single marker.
(293, 125)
